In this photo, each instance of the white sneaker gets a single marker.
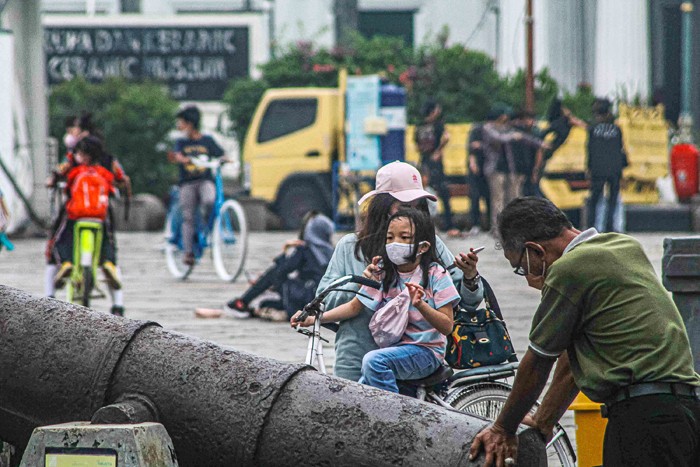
(237, 314)
(476, 230)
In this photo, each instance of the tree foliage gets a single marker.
(464, 81)
(135, 120)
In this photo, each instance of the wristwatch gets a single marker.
(473, 283)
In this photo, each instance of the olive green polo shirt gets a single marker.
(603, 302)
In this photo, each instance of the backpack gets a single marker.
(89, 195)
(425, 138)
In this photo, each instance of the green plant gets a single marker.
(242, 98)
(581, 102)
(512, 91)
(135, 120)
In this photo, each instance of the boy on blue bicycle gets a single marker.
(197, 186)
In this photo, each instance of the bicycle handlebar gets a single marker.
(313, 305)
(204, 162)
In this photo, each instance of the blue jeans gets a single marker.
(382, 367)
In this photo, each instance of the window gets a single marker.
(131, 6)
(387, 23)
(286, 116)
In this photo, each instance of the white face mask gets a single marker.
(400, 253)
(70, 141)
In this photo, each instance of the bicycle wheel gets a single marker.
(230, 241)
(88, 283)
(173, 253)
(488, 398)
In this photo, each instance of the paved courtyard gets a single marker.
(152, 294)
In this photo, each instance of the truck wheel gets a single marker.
(296, 201)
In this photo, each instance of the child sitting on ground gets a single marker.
(308, 256)
(89, 186)
(409, 262)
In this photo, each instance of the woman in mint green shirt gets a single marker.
(398, 185)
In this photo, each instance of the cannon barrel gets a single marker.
(61, 363)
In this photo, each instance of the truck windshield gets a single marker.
(286, 116)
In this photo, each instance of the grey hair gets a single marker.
(529, 219)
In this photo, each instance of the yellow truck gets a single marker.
(297, 134)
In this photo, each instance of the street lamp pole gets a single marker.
(529, 72)
(685, 121)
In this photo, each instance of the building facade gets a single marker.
(604, 43)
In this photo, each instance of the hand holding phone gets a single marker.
(467, 262)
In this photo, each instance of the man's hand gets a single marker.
(177, 158)
(293, 244)
(473, 166)
(497, 445)
(437, 155)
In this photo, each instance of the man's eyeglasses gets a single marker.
(519, 269)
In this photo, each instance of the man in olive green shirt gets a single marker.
(616, 334)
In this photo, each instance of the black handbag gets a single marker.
(479, 337)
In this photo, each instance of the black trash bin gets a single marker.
(681, 275)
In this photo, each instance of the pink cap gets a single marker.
(400, 180)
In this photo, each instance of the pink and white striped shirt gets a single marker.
(439, 292)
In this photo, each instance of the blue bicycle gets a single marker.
(226, 231)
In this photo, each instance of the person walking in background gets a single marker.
(196, 184)
(431, 138)
(606, 159)
(560, 121)
(307, 256)
(528, 158)
(478, 184)
(505, 184)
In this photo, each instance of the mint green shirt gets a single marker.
(603, 302)
(353, 339)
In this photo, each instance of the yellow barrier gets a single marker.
(645, 134)
(590, 431)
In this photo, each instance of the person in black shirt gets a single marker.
(478, 184)
(528, 159)
(606, 159)
(431, 138)
(196, 183)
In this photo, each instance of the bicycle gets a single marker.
(480, 392)
(87, 245)
(226, 231)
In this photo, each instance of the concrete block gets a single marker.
(7, 452)
(140, 445)
(147, 213)
(256, 213)
(695, 213)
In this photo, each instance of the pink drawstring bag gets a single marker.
(388, 324)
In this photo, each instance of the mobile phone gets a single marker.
(477, 250)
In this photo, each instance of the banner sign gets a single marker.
(362, 101)
(197, 63)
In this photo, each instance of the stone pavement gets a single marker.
(152, 294)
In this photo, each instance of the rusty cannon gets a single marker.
(61, 363)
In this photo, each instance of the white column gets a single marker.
(29, 112)
(7, 78)
(310, 20)
(513, 42)
(621, 49)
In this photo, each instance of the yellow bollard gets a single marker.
(590, 430)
